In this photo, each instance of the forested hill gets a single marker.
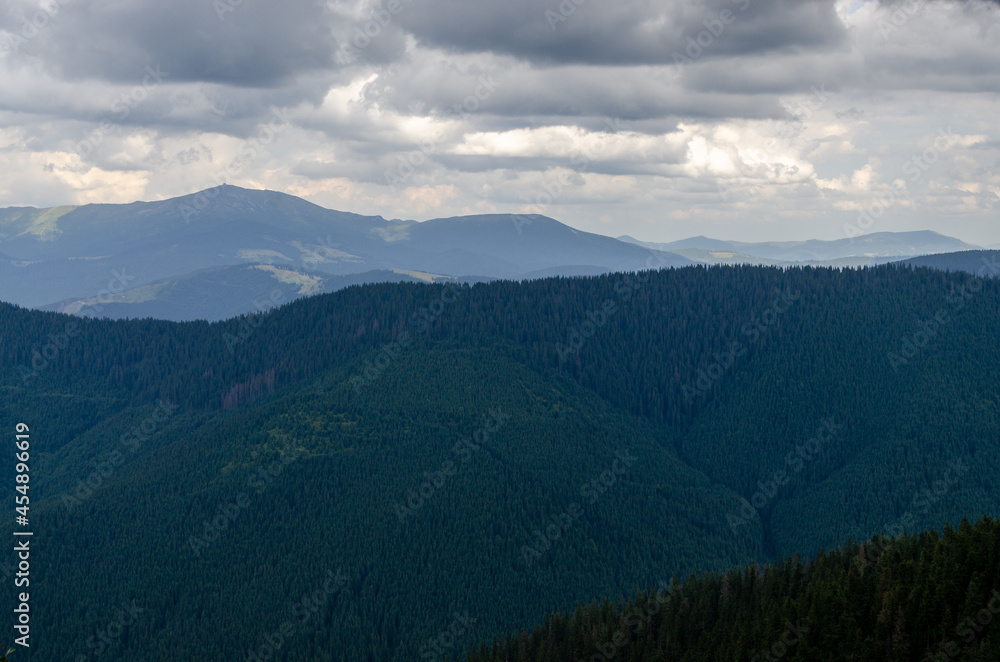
(926, 597)
(469, 459)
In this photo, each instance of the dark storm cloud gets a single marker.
(643, 32)
(554, 95)
(235, 42)
(690, 87)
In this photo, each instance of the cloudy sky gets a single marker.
(738, 119)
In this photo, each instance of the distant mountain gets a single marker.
(563, 271)
(78, 252)
(727, 257)
(223, 292)
(866, 248)
(215, 253)
(126, 255)
(984, 263)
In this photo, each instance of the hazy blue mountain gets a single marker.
(131, 256)
(984, 263)
(816, 251)
(523, 247)
(727, 257)
(224, 292)
(76, 252)
(563, 271)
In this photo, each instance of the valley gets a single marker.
(174, 471)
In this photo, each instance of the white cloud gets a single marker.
(799, 139)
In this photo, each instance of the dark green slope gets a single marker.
(350, 464)
(979, 262)
(928, 597)
(366, 389)
(900, 425)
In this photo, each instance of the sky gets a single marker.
(752, 120)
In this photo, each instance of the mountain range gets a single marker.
(430, 466)
(874, 248)
(228, 251)
(165, 258)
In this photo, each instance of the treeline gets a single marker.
(612, 333)
(927, 597)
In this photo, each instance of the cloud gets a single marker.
(644, 32)
(235, 42)
(754, 118)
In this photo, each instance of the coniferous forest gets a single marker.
(927, 596)
(676, 465)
